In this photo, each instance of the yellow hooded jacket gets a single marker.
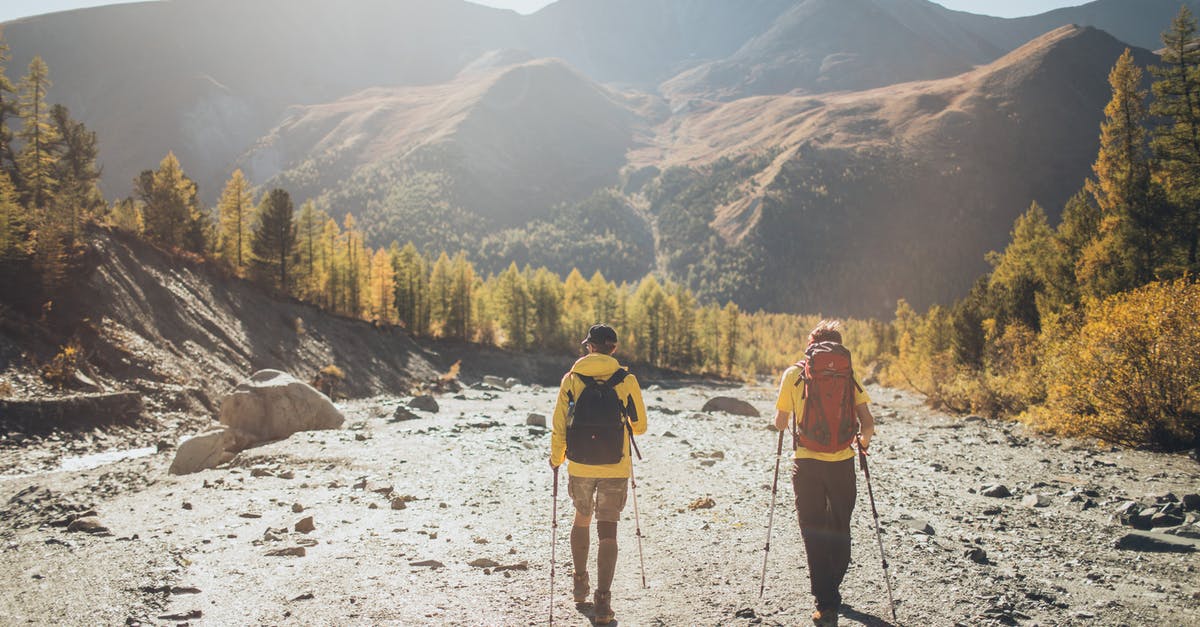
(600, 367)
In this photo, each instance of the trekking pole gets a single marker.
(771, 517)
(554, 541)
(862, 460)
(636, 519)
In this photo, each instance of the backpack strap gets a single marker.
(616, 378)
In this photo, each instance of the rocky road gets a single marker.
(445, 520)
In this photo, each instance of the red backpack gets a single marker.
(829, 423)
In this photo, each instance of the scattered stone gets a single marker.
(668, 434)
(291, 551)
(187, 505)
(730, 405)
(1162, 519)
(1035, 500)
(519, 566)
(993, 511)
(261, 472)
(304, 597)
(427, 564)
(919, 526)
(306, 525)
(272, 405)
(383, 489)
(250, 515)
(361, 484)
(705, 502)
(402, 413)
(188, 615)
(297, 508)
(977, 555)
(201, 452)
(1155, 543)
(536, 420)
(1191, 502)
(745, 612)
(483, 562)
(424, 403)
(360, 437)
(1185, 531)
(495, 382)
(996, 490)
(287, 474)
(87, 524)
(399, 503)
(512, 382)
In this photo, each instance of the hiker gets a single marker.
(599, 403)
(825, 406)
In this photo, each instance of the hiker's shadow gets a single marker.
(870, 620)
(589, 612)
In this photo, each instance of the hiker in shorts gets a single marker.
(825, 406)
(599, 403)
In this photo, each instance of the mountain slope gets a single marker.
(846, 201)
(831, 45)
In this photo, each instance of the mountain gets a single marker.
(706, 139)
(843, 201)
(830, 45)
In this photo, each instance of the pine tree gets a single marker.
(441, 293)
(331, 276)
(235, 211)
(36, 161)
(1176, 143)
(412, 289)
(354, 272)
(577, 306)
(308, 250)
(383, 287)
(14, 232)
(462, 286)
(514, 306)
(1024, 269)
(546, 294)
(8, 109)
(78, 176)
(127, 216)
(649, 323)
(171, 212)
(1122, 255)
(274, 239)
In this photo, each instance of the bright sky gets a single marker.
(13, 9)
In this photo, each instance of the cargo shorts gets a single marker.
(602, 496)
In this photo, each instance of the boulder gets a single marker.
(273, 405)
(1156, 543)
(305, 525)
(1036, 500)
(996, 490)
(1191, 502)
(402, 413)
(730, 405)
(535, 420)
(202, 451)
(424, 403)
(496, 382)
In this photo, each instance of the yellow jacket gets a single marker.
(601, 367)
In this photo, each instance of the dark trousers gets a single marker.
(825, 493)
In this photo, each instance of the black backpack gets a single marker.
(595, 422)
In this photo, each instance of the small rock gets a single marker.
(287, 474)
(745, 612)
(360, 437)
(996, 490)
(188, 615)
(427, 564)
(424, 403)
(304, 597)
(402, 413)
(536, 420)
(977, 555)
(1035, 500)
(187, 505)
(261, 472)
(297, 508)
(919, 526)
(730, 405)
(250, 515)
(705, 502)
(398, 503)
(1185, 531)
(291, 551)
(512, 382)
(668, 434)
(1165, 520)
(483, 562)
(495, 382)
(519, 566)
(87, 524)
(1191, 502)
(305, 525)
(1155, 543)
(993, 511)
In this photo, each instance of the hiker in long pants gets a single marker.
(599, 402)
(822, 402)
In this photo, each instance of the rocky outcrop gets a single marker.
(273, 405)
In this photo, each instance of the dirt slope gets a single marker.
(195, 546)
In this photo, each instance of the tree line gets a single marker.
(1088, 327)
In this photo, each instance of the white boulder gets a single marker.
(197, 453)
(273, 405)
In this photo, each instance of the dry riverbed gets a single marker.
(446, 520)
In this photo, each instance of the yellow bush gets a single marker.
(1131, 373)
(62, 367)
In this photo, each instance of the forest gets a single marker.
(1085, 328)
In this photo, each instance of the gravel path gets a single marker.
(473, 484)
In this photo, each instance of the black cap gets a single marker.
(600, 334)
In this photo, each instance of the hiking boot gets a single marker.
(582, 587)
(603, 608)
(825, 617)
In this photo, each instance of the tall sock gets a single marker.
(606, 563)
(579, 548)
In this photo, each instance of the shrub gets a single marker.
(61, 369)
(1130, 374)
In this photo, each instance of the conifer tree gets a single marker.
(36, 162)
(514, 306)
(1120, 257)
(649, 320)
(1024, 269)
(331, 277)
(383, 287)
(75, 149)
(274, 240)
(462, 286)
(412, 289)
(1176, 142)
(441, 293)
(308, 250)
(546, 295)
(730, 334)
(577, 306)
(354, 273)
(9, 109)
(14, 233)
(127, 216)
(235, 216)
(171, 212)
